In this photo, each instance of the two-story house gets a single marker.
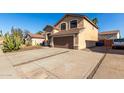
(74, 31)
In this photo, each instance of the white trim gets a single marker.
(66, 25)
(70, 23)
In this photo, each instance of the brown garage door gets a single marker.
(64, 42)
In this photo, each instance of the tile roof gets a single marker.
(109, 32)
(78, 15)
(72, 31)
(48, 28)
(36, 35)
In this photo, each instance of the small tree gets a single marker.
(12, 41)
(25, 33)
(8, 43)
(1, 34)
(95, 21)
(39, 32)
(26, 40)
(17, 40)
(17, 31)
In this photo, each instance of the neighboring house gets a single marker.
(75, 32)
(109, 35)
(35, 39)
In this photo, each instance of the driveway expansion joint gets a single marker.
(47, 71)
(30, 61)
(90, 76)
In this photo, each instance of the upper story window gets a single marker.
(73, 24)
(63, 26)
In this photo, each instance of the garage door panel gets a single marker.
(63, 42)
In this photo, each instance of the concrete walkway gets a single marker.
(64, 64)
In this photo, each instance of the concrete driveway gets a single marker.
(112, 66)
(49, 63)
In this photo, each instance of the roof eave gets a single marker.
(82, 16)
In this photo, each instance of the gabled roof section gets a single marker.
(77, 15)
(109, 32)
(48, 28)
(35, 35)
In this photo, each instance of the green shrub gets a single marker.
(8, 43)
(17, 40)
(12, 41)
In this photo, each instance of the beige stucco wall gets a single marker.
(55, 30)
(36, 41)
(89, 33)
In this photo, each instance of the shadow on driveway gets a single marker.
(106, 50)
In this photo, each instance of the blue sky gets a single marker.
(35, 22)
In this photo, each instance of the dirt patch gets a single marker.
(26, 49)
(30, 48)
